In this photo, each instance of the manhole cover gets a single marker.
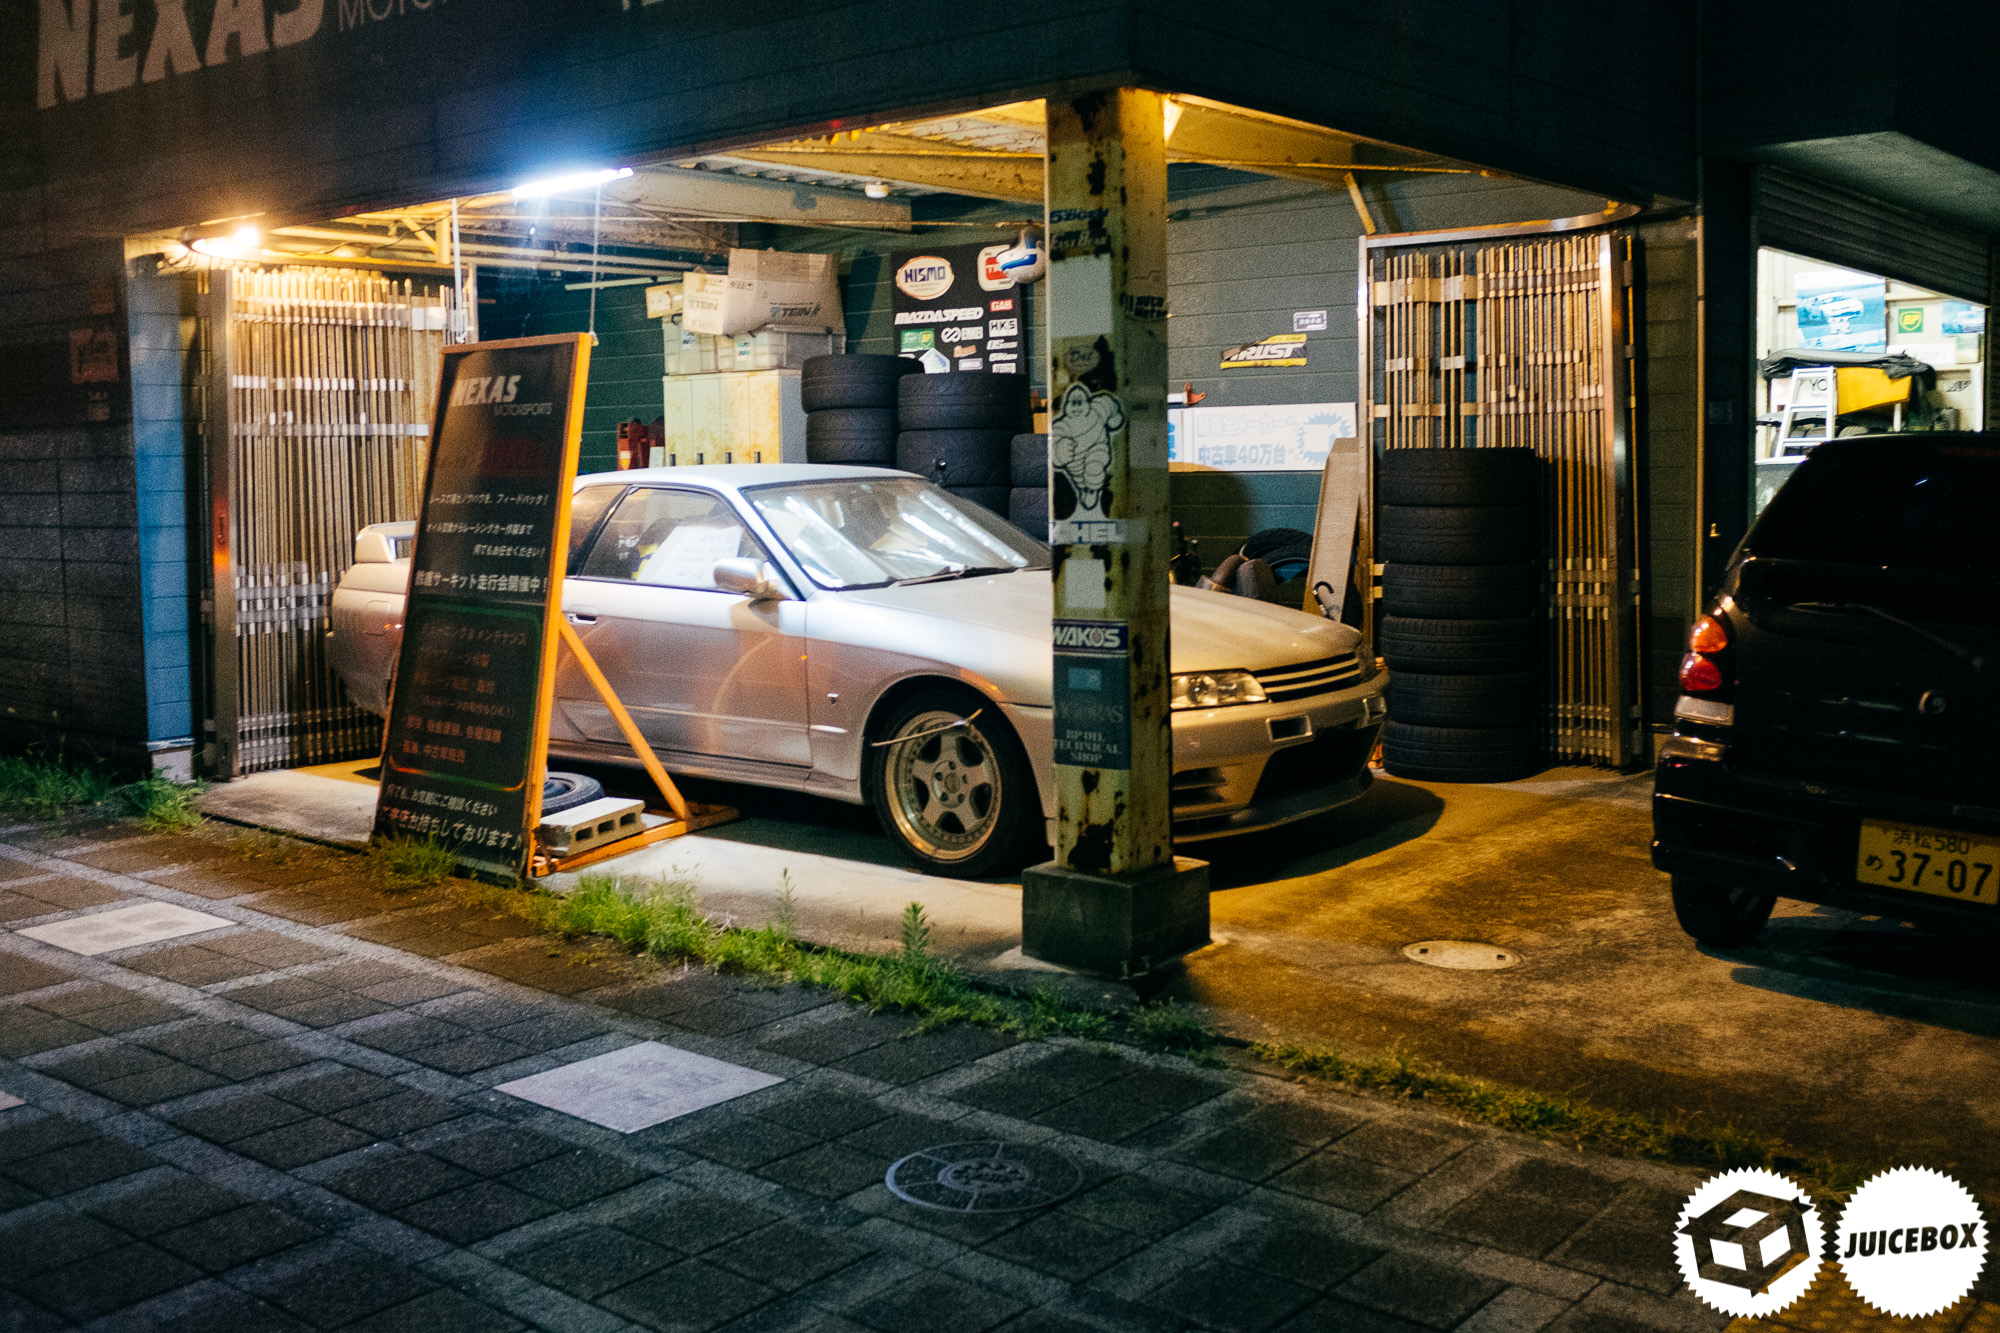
(1461, 955)
(984, 1176)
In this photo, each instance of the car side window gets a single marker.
(585, 508)
(669, 539)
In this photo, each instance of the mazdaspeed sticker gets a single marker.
(1911, 1242)
(1748, 1242)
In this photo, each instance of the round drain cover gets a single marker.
(1461, 955)
(984, 1176)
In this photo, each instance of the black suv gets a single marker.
(1836, 739)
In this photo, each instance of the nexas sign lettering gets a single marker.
(96, 46)
(924, 277)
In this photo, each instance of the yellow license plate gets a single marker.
(1928, 860)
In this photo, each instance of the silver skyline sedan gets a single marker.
(864, 635)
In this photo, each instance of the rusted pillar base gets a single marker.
(1119, 926)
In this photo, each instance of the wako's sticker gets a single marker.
(1748, 1242)
(1911, 1242)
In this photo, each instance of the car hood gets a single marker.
(1212, 631)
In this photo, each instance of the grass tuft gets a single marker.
(785, 921)
(405, 863)
(160, 804)
(1672, 1139)
(46, 788)
(662, 918)
(1184, 1029)
(916, 935)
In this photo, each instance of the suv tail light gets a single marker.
(1705, 674)
(1703, 669)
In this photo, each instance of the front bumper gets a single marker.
(1256, 766)
(1796, 839)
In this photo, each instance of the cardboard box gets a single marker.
(782, 349)
(763, 287)
(663, 301)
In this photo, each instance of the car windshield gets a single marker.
(1893, 504)
(868, 533)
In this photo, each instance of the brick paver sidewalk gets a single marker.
(288, 1122)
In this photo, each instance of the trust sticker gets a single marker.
(1911, 1242)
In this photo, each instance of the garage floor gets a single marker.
(1849, 1038)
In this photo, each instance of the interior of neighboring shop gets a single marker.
(1843, 352)
(1264, 219)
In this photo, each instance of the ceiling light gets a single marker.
(579, 180)
(876, 189)
(247, 237)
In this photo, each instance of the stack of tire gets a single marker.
(1459, 536)
(958, 430)
(850, 404)
(1028, 501)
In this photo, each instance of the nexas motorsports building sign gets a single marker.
(89, 47)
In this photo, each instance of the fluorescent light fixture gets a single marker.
(578, 180)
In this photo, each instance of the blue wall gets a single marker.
(159, 446)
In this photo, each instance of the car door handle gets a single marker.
(581, 617)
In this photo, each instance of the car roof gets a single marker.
(728, 477)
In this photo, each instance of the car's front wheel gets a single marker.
(952, 786)
(1720, 914)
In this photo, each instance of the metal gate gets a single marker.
(319, 395)
(1521, 336)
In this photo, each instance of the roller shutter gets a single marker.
(1826, 222)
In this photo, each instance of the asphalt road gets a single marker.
(1849, 1037)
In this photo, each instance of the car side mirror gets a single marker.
(747, 578)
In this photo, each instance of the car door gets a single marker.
(703, 672)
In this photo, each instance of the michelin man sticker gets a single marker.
(1080, 456)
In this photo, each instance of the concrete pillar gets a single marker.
(1115, 900)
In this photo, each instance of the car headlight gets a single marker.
(1214, 689)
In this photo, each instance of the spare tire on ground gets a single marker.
(994, 498)
(1504, 699)
(852, 380)
(1030, 465)
(1501, 476)
(1459, 754)
(1028, 510)
(1457, 534)
(955, 458)
(566, 791)
(1460, 647)
(972, 400)
(1459, 592)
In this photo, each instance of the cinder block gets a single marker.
(593, 824)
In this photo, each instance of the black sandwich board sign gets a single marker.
(467, 740)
